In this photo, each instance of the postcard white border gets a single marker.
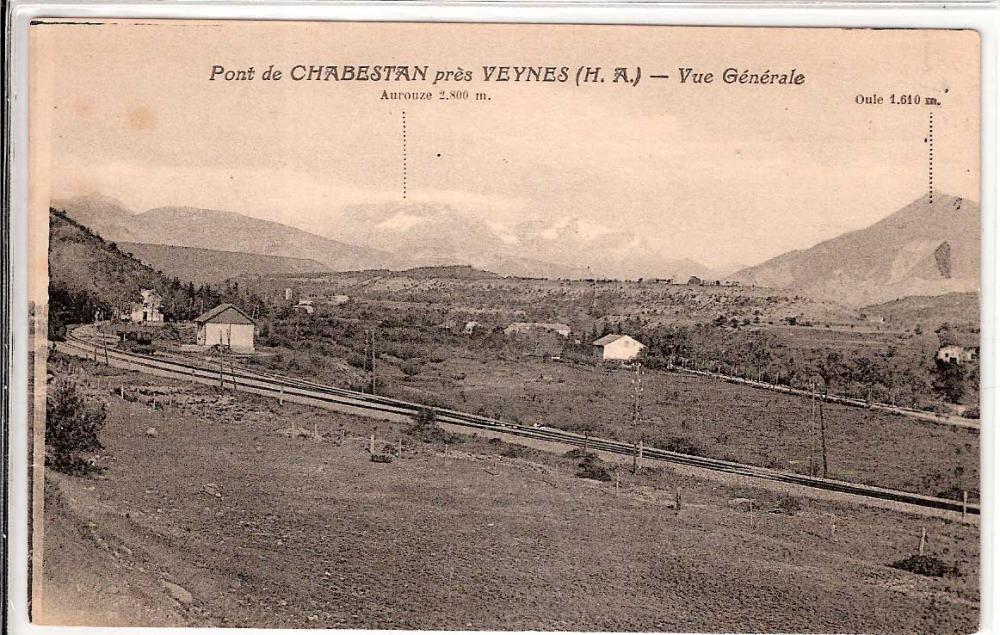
(981, 16)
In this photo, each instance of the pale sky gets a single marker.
(717, 173)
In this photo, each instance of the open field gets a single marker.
(265, 528)
(696, 415)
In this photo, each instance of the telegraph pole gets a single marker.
(812, 419)
(593, 290)
(822, 434)
(637, 394)
(373, 361)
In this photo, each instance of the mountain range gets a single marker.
(394, 237)
(560, 248)
(218, 230)
(929, 247)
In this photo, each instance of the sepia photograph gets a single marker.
(504, 327)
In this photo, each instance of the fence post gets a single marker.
(677, 500)
(371, 445)
(923, 539)
(965, 505)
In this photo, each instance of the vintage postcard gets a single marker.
(505, 327)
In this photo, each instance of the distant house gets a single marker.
(527, 328)
(957, 354)
(470, 327)
(305, 306)
(339, 299)
(228, 326)
(146, 311)
(288, 293)
(618, 347)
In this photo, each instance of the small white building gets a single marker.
(148, 310)
(618, 347)
(957, 354)
(470, 327)
(305, 306)
(228, 326)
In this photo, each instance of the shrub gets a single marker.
(927, 566)
(426, 430)
(789, 504)
(425, 417)
(514, 451)
(683, 445)
(410, 368)
(590, 466)
(948, 380)
(72, 423)
(358, 361)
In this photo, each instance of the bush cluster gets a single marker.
(72, 424)
(926, 566)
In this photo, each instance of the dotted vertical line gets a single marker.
(404, 154)
(930, 158)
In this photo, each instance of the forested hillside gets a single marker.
(90, 277)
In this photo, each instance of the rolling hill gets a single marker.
(957, 309)
(211, 266)
(926, 248)
(221, 231)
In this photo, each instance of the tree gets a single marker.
(870, 373)
(948, 380)
(831, 369)
(72, 423)
(756, 350)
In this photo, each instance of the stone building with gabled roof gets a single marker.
(227, 326)
(618, 347)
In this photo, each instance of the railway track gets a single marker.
(276, 386)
